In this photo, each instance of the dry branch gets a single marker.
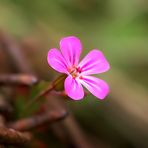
(12, 137)
(38, 120)
(18, 79)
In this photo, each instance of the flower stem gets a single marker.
(44, 92)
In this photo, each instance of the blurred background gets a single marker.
(118, 28)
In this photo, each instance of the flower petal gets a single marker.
(73, 88)
(71, 49)
(97, 87)
(94, 62)
(56, 60)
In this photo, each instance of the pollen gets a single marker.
(74, 71)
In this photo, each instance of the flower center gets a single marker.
(75, 72)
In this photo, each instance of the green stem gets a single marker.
(44, 92)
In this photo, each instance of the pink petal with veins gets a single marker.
(93, 63)
(96, 86)
(71, 49)
(56, 60)
(73, 88)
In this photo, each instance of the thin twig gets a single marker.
(18, 79)
(12, 137)
(38, 120)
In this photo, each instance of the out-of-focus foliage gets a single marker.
(120, 29)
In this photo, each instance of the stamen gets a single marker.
(74, 71)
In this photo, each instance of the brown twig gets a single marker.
(9, 136)
(38, 120)
(12, 137)
(18, 79)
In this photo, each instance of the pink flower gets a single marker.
(67, 61)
